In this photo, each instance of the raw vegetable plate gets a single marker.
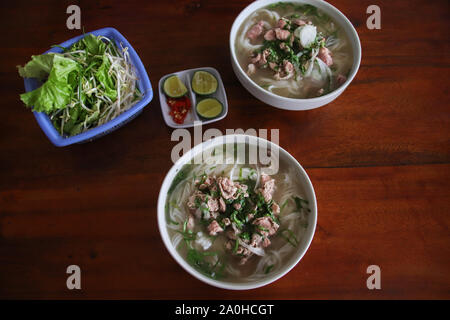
(192, 116)
(112, 122)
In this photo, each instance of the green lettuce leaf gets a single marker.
(107, 81)
(56, 92)
(94, 45)
(39, 66)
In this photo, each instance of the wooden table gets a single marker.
(378, 157)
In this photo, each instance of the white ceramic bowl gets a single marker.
(291, 103)
(304, 242)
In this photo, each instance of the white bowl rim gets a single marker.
(161, 216)
(257, 5)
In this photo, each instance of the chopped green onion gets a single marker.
(289, 237)
(198, 260)
(268, 268)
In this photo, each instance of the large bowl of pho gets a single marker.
(237, 212)
(294, 55)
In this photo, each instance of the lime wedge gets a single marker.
(209, 108)
(204, 83)
(174, 88)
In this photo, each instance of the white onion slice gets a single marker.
(307, 34)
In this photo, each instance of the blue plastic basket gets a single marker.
(94, 133)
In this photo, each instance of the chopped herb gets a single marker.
(169, 220)
(245, 235)
(298, 203)
(262, 228)
(215, 194)
(289, 236)
(235, 219)
(284, 204)
(199, 260)
(205, 211)
(236, 246)
(174, 204)
(268, 268)
(203, 178)
(197, 202)
(188, 235)
(181, 175)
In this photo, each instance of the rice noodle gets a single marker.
(176, 239)
(325, 70)
(314, 54)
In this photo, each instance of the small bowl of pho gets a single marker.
(294, 55)
(237, 212)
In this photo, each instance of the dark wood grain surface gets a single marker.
(378, 156)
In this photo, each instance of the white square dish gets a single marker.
(186, 76)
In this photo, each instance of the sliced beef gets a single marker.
(259, 241)
(214, 214)
(325, 56)
(260, 58)
(288, 67)
(213, 205)
(255, 31)
(270, 35)
(256, 240)
(207, 184)
(226, 222)
(273, 66)
(255, 60)
(242, 188)
(268, 187)
(300, 22)
(281, 23)
(281, 34)
(265, 242)
(285, 72)
(214, 228)
(267, 226)
(275, 208)
(222, 205)
(192, 199)
(227, 187)
(190, 224)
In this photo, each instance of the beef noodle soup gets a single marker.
(236, 221)
(294, 50)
